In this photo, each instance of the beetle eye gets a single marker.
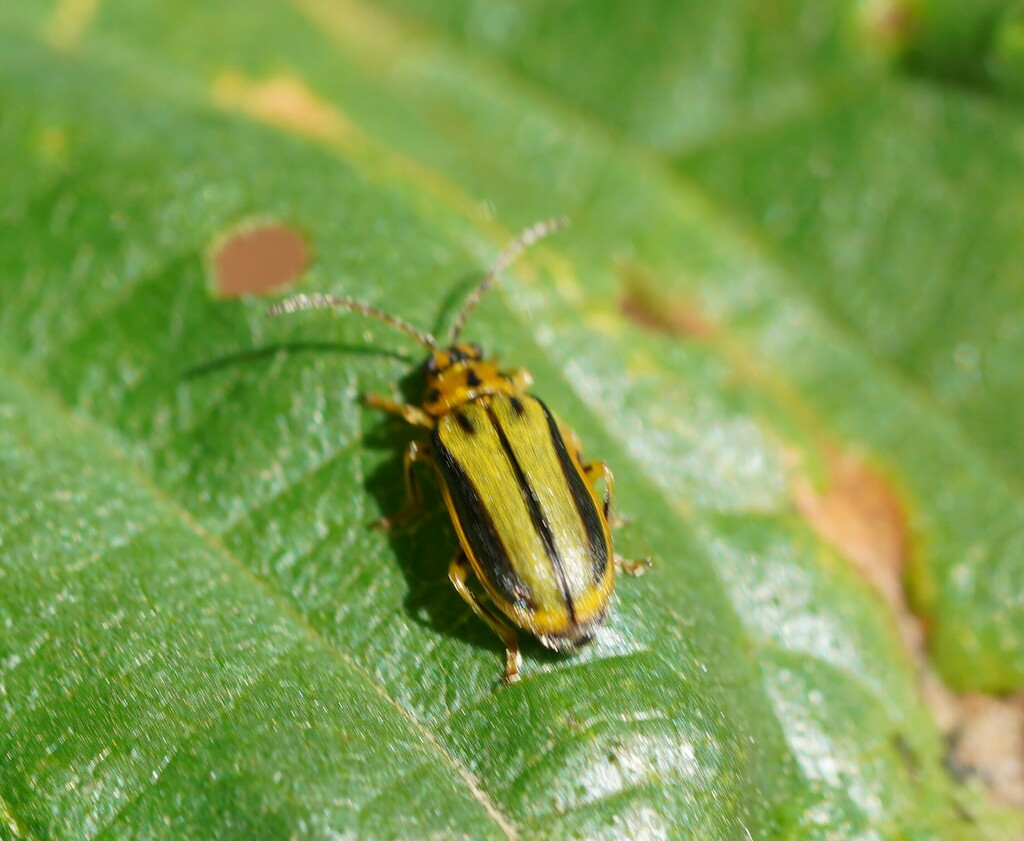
(476, 351)
(430, 365)
(460, 353)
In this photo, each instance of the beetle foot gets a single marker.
(513, 660)
(633, 567)
(396, 522)
(382, 524)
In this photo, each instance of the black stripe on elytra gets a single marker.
(517, 406)
(541, 525)
(465, 424)
(585, 505)
(479, 528)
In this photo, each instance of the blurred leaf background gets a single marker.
(789, 313)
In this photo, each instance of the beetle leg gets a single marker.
(458, 572)
(411, 414)
(596, 471)
(416, 452)
(573, 440)
(632, 567)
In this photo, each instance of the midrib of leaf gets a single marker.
(208, 733)
(80, 427)
(191, 739)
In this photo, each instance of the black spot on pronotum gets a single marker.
(465, 424)
(257, 258)
(472, 380)
(433, 395)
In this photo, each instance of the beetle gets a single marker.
(532, 528)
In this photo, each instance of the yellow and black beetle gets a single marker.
(532, 527)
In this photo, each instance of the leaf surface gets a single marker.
(203, 638)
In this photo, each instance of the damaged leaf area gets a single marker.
(771, 316)
(860, 514)
(257, 258)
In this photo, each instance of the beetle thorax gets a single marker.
(458, 375)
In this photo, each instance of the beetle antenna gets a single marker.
(527, 238)
(320, 301)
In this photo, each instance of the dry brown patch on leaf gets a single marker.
(282, 101)
(674, 315)
(258, 258)
(985, 737)
(859, 513)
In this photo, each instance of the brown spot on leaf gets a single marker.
(889, 26)
(675, 316)
(257, 259)
(859, 513)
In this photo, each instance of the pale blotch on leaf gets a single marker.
(53, 145)
(257, 259)
(288, 103)
(69, 22)
(283, 101)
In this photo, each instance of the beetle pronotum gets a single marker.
(532, 528)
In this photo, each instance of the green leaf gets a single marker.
(202, 637)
